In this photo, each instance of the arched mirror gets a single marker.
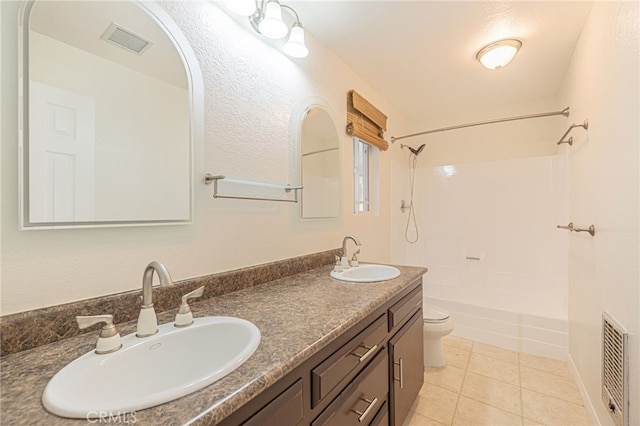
(320, 164)
(107, 117)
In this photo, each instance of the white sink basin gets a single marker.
(367, 274)
(150, 371)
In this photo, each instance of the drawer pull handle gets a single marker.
(367, 354)
(365, 413)
(399, 364)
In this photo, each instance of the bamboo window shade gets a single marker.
(365, 121)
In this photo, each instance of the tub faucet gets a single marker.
(147, 320)
(344, 245)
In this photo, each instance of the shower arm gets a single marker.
(584, 125)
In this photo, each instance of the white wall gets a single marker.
(602, 85)
(251, 90)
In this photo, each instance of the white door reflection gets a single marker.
(61, 155)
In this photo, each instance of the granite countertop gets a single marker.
(297, 316)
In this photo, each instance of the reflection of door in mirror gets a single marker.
(61, 155)
(320, 165)
(108, 137)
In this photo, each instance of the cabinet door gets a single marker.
(406, 369)
(286, 409)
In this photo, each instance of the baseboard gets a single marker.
(586, 401)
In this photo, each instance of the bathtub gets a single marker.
(511, 329)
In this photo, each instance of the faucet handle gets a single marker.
(354, 259)
(109, 339)
(184, 317)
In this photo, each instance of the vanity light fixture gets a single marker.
(266, 19)
(498, 54)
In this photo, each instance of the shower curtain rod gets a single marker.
(564, 112)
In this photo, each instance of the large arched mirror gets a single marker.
(107, 117)
(319, 163)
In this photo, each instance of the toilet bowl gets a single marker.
(437, 324)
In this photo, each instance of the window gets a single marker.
(364, 176)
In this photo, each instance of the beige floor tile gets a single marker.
(474, 413)
(549, 365)
(416, 419)
(496, 352)
(458, 342)
(436, 403)
(492, 392)
(446, 377)
(550, 384)
(552, 411)
(494, 368)
(455, 356)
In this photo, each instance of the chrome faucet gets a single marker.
(147, 320)
(344, 244)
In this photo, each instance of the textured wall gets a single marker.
(251, 90)
(602, 85)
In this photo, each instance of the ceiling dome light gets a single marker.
(242, 7)
(295, 46)
(272, 25)
(498, 54)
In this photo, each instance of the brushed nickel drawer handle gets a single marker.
(400, 379)
(367, 354)
(365, 413)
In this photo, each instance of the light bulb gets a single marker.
(498, 54)
(271, 24)
(241, 7)
(295, 46)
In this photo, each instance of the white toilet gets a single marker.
(437, 324)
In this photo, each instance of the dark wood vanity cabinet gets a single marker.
(407, 367)
(360, 401)
(370, 375)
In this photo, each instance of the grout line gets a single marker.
(520, 389)
(520, 366)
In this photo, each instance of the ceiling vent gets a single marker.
(125, 39)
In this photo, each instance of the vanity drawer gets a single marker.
(348, 360)
(362, 399)
(382, 418)
(285, 409)
(404, 308)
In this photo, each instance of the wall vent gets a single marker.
(126, 39)
(615, 370)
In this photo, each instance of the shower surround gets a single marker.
(496, 260)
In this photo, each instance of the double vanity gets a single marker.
(330, 352)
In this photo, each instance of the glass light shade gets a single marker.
(241, 7)
(272, 25)
(295, 46)
(498, 54)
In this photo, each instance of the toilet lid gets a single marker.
(432, 313)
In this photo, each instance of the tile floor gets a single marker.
(487, 385)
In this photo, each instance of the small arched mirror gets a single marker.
(320, 164)
(108, 115)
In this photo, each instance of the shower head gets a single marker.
(414, 151)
